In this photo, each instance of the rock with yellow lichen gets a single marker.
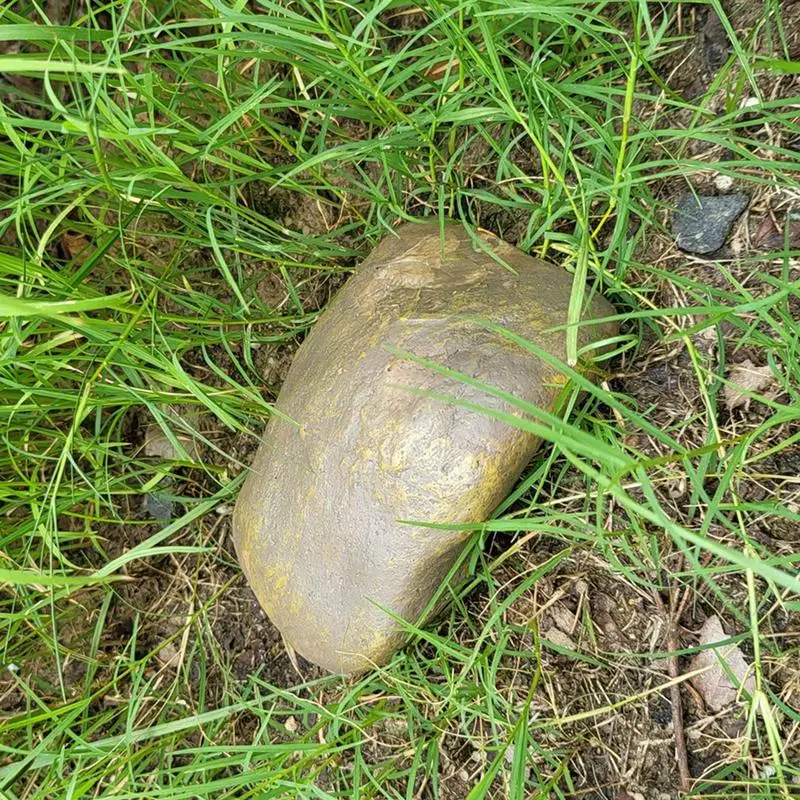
(367, 440)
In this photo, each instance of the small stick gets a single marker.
(681, 755)
(688, 591)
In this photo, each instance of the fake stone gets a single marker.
(367, 441)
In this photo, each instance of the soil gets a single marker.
(582, 603)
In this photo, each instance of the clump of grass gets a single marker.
(159, 162)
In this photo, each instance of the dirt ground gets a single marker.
(586, 607)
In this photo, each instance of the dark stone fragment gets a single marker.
(715, 43)
(702, 222)
(158, 506)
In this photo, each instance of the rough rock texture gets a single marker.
(726, 668)
(702, 223)
(318, 525)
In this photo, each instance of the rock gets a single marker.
(563, 618)
(714, 41)
(364, 441)
(624, 794)
(702, 222)
(558, 637)
(159, 445)
(723, 182)
(158, 506)
(726, 669)
(745, 379)
(168, 653)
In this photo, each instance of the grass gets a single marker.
(182, 185)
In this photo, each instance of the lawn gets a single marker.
(183, 187)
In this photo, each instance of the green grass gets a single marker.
(157, 160)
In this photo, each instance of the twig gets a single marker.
(681, 755)
(677, 614)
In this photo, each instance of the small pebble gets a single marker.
(723, 182)
(158, 507)
(580, 587)
(701, 223)
(560, 638)
(767, 771)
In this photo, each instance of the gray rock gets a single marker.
(158, 506)
(702, 222)
(158, 445)
(365, 443)
(725, 668)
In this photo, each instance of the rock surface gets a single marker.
(726, 670)
(746, 378)
(702, 222)
(356, 451)
(158, 506)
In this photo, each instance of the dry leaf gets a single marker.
(764, 233)
(727, 668)
(746, 377)
(769, 234)
(450, 67)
